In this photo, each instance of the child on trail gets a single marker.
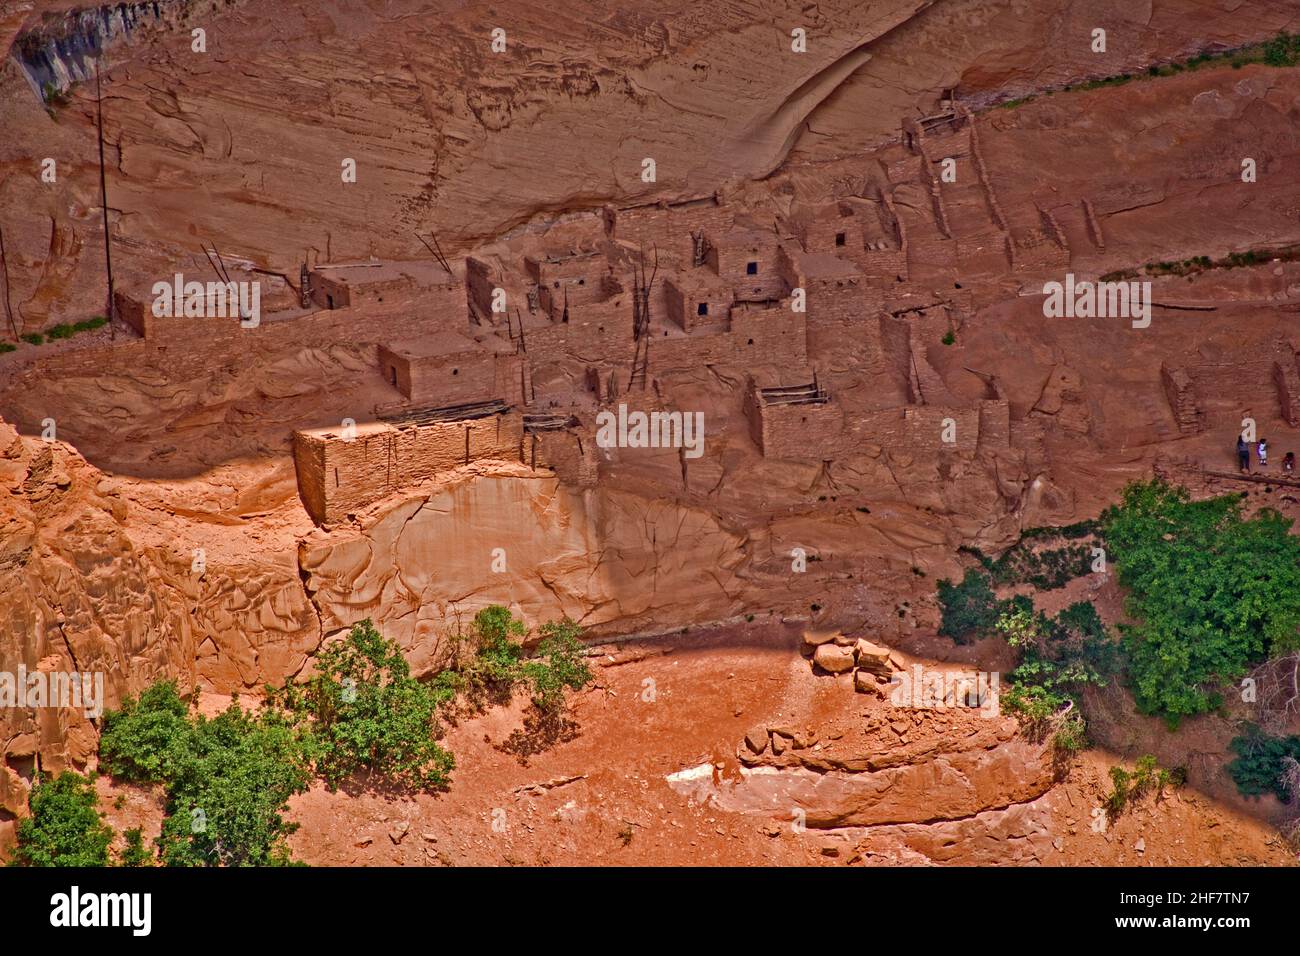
(1243, 454)
(1263, 453)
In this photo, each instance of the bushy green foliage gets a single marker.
(1046, 569)
(558, 665)
(1282, 51)
(1211, 592)
(7, 347)
(1127, 788)
(32, 338)
(65, 827)
(230, 781)
(138, 742)
(489, 663)
(135, 853)
(1060, 657)
(227, 780)
(485, 663)
(365, 713)
(66, 330)
(1257, 768)
(970, 609)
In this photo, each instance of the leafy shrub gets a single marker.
(32, 338)
(1211, 591)
(65, 827)
(230, 783)
(558, 666)
(1060, 657)
(969, 608)
(7, 347)
(1127, 788)
(1260, 762)
(135, 853)
(365, 713)
(65, 330)
(139, 742)
(227, 780)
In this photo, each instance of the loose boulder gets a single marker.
(833, 658)
(873, 658)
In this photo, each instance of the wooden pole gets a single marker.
(111, 313)
(9, 309)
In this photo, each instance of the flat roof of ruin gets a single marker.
(695, 279)
(825, 264)
(423, 272)
(335, 432)
(446, 342)
(749, 236)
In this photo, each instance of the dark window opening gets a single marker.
(702, 309)
(751, 341)
(582, 282)
(751, 269)
(839, 238)
(455, 371)
(393, 373)
(330, 300)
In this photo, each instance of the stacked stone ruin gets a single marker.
(464, 346)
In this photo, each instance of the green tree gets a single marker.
(138, 742)
(227, 779)
(1211, 591)
(65, 827)
(135, 853)
(365, 713)
(229, 786)
(970, 608)
(558, 665)
(1261, 758)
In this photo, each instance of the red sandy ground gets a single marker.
(709, 689)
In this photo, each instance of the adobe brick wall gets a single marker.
(797, 432)
(775, 336)
(600, 331)
(338, 477)
(917, 429)
(730, 255)
(479, 283)
(994, 425)
(1288, 388)
(456, 378)
(669, 227)
(570, 453)
(1181, 394)
(683, 298)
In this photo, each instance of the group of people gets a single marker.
(1261, 452)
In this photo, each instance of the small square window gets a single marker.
(702, 309)
(751, 269)
(839, 238)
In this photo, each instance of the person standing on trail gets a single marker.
(1263, 452)
(1243, 454)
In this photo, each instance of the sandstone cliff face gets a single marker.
(77, 594)
(248, 138)
(424, 565)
